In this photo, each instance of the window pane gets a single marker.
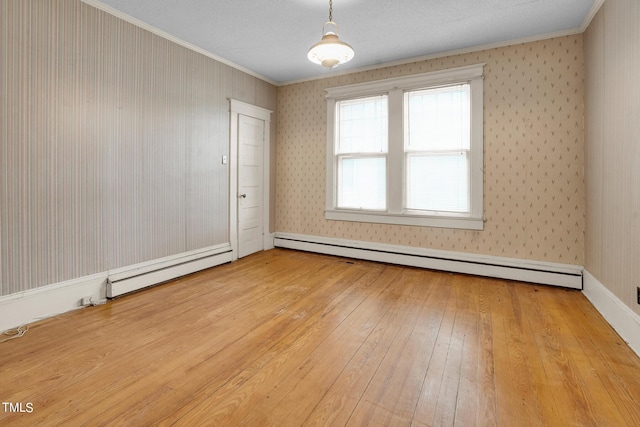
(362, 125)
(362, 183)
(438, 119)
(438, 182)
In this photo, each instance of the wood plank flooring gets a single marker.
(286, 338)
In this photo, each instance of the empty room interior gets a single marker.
(209, 216)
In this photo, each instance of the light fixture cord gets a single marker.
(330, 10)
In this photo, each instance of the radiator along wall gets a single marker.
(533, 158)
(111, 145)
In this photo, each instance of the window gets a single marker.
(407, 150)
(361, 153)
(436, 145)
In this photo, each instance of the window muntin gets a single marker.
(362, 125)
(438, 182)
(437, 144)
(414, 160)
(363, 182)
(361, 153)
(438, 119)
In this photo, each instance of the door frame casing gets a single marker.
(236, 108)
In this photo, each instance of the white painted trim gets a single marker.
(592, 14)
(269, 241)
(238, 107)
(624, 320)
(396, 156)
(462, 222)
(47, 301)
(572, 31)
(266, 190)
(35, 304)
(546, 273)
(138, 23)
(128, 18)
(169, 261)
(476, 166)
(413, 81)
(140, 276)
(394, 88)
(472, 49)
(250, 110)
(233, 181)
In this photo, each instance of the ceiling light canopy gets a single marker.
(330, 51)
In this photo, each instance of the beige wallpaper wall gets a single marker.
(534, 156)
(612, 138)
(111, 141)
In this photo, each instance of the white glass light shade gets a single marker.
(330, 51)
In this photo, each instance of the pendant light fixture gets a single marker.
(330, 51)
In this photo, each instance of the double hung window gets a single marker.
(361, 153)
(407, 150)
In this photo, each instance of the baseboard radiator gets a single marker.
(546, 273)
(137, 277)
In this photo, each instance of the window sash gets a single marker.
(437, 119)
(362, 182)
(362, 125)
(362, 145)
(438, 186)
(437, 143)
(396, 157)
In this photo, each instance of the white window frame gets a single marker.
(342, 155)
(395, 88)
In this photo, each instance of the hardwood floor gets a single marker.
(287, 338)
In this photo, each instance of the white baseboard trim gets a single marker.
(136, 277)
(624, 320)
(36, 304)
(267, 241)
(546, 273)
(47, 301)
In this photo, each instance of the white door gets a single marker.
(251, 133)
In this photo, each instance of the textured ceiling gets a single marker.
(271, 37)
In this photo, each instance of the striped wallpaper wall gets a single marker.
(612, 140)
(111, 143)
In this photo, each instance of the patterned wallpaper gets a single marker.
(533, 141)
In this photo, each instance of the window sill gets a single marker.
(460, 222)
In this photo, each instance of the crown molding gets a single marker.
(443, 54)
(592, 13)
(138, 23)
(581, 29)
(119, 14)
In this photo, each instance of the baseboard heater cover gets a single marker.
(563, 275)
(138, 278)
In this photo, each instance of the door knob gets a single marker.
(242, 196)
